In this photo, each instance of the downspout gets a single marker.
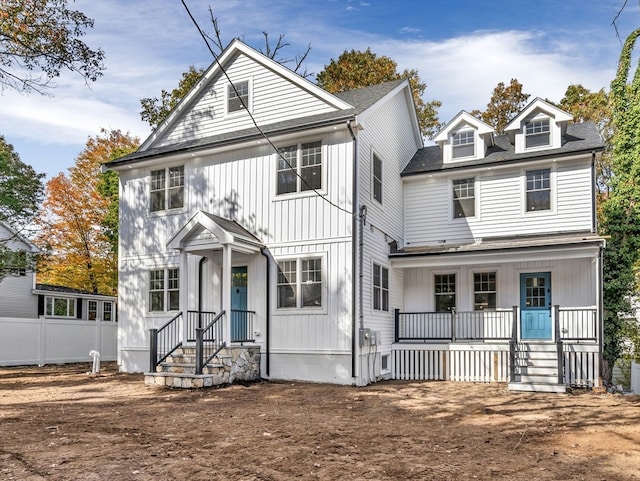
(267, 326)
(594, 218)
(355, 291)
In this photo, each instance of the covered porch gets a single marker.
(529, 316)
(222, 302)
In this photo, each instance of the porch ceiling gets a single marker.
(206, 232)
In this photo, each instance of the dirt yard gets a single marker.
(59, 423)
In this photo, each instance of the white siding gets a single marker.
(500, 205)
(16, 299)
(273, 99)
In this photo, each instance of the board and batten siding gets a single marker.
(573, 283)
(273, 98)
(500, 205)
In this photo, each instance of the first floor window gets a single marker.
(299, 168)
(164, 290)
(92, 308)
(60, 307)
(538, 190)
(464, 198)
(167, 189)
(380, 288)
(484, 291)
(445, 289)
(300, 283)
(107, 311)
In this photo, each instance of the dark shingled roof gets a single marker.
(361, 99)
(67, 290)
(583, 137)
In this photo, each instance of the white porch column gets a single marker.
(184, 292)
(226, 291)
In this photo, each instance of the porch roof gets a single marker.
(209, 231)
(499, 247)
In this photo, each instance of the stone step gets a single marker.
(180, 380)
(187, 367)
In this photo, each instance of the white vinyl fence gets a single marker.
(55, 341)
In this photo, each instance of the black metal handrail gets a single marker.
(163, 341)
(197, 319)
(209, 341)
(242, 326)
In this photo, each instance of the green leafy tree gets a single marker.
(621, 211)
(506, 102)
(41, 38)
(587, 106)
(21, 192)
(355, 69)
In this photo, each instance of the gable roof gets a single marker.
(463, 117)
(358, 101)
(579, 138)
(538, 104)
(14, 235)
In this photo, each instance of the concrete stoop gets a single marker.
(231, 364)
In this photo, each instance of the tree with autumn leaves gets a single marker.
(78, 224)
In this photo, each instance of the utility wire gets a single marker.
(266, 137)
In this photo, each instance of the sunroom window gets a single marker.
(537, 133)
(463, 144)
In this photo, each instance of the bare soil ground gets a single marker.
(58, 423)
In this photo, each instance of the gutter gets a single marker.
(355, 291)
(267, 328)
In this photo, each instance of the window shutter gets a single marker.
(79, 308)
(40, 305)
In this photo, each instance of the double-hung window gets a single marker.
(463, 144)
(167, 189)
(238, 96)
(299, 168)
(92, 308)
(445, 291)
(380, 288)
(164, 290)
(300, 283)
(59, 307)
(484, 291)
(538, 190)
(464, 198)
(377, 178)
(107, 311)
(537, 133)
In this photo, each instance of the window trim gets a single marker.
(322, 308)
(494, 272)
(298, 192)
(249, 102)
(167, 190)
(375, 180)
(165, 289)
(378, 291)
(541, 119)
(552, 192)
(51, 314)
(453, 198)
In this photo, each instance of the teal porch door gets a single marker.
(239, 303)
(535, 305)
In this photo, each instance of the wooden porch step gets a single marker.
(537, 387)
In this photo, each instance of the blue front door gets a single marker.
(535, 305)
(239, 303)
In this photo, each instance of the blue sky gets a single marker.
(461, 49)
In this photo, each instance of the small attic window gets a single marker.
(238, 96)
(463, 144)
(537, 133)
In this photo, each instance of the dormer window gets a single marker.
(537, 133)
(238, 96)
(463, 144)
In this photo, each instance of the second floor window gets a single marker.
(167, 189)
(463, 144)
(238, 97)
(445, 291)
(464, 198)
(299, 168)
(538, 191)
(377, 178)
(164, 290)
(537, 133)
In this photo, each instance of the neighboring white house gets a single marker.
(347, 251)
(42, 324)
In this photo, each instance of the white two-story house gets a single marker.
(317, 229)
